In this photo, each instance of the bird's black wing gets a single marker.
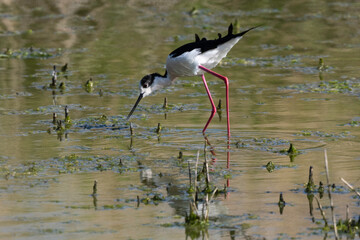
(206, 45)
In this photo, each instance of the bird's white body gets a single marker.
(187, 64)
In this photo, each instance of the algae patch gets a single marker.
(26, 53)
(351, 87)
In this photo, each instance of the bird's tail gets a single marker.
(230, 31)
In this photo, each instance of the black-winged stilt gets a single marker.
(193, 59)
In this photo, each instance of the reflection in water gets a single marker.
(281, 204)
(94, 195)
(310, 198)
(131, 147)
(54, 97)
(219, 110)
(213, 158)
(212, 150)
(194, 232)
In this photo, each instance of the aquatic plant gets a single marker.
(270, 166)
(310, 186)
(53, 78)
(67, 120)
(321, 66)
(194, 221)
(89, 86)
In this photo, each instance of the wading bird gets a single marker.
(193, 59)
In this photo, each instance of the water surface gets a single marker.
(278, 96)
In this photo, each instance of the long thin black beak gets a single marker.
(137, 102)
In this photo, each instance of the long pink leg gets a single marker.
(226, 81)
(213, 110)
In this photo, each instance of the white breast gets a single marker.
(183, 65)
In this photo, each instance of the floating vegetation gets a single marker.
(103, 121)
(74, 163)
(290, 62)
(334, 86)
(264, 144)
(171, 108)
(152, 198)
(353, 123)
(86, 207)
(15, 95)
(26, 53)
(323, 134)
(113, 206)
(30, 168)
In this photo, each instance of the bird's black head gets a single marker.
(147, 81)
(145, 85)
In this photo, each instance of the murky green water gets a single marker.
(278, 96)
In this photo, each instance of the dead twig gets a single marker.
(349, 186)
(329, 191)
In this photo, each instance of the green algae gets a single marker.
(112, 206)
(352, 123)
(322, 134)
(29, 53)
(267, 145)
(330, 87)
(152, 198)
(85, 207)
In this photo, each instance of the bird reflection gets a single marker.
(213, 153)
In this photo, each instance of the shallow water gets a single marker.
(278, 96)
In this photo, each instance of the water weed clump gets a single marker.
(270, 166)
(89, 86)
